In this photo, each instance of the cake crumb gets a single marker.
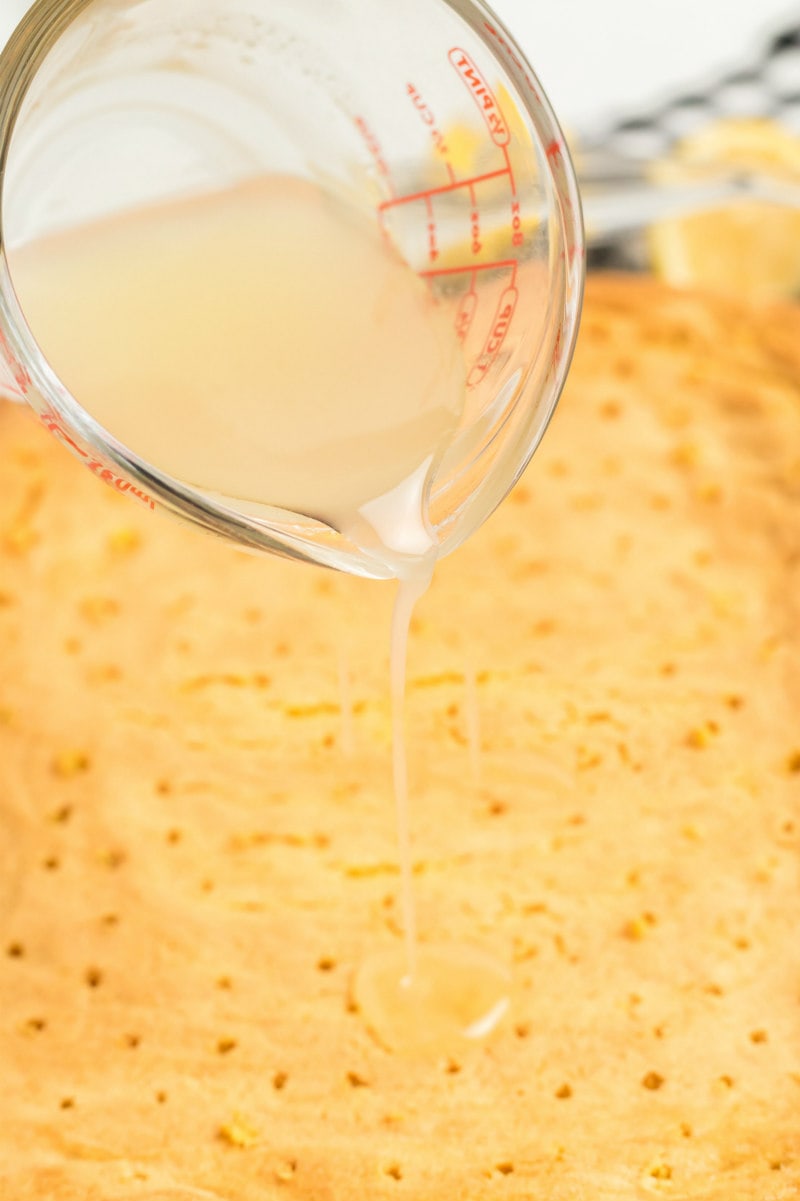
(652, 1081)
(226, 1045)
(758, 1036)
(564, 1092)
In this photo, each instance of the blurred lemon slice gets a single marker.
(748, 248)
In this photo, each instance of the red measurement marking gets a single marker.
(495, 266)
(497, 336)
(475, 221)
(554, 150)
(465, 314)
(447, 187)
(433, 242)
(96, 466)
(512, 181)
(482, 94)
(374, 147)
(20, 382)
(517, 236)
(50, 423)
(428, 118)
(116, 481)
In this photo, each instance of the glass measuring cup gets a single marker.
(428, 112)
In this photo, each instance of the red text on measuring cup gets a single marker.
(482, 94)
(497, 336)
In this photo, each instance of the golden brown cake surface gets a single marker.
(191, 868)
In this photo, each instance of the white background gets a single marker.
(601, 58)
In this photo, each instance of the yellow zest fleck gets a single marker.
(113, 858)
(124, 541)
(701, 736)
(709, 494)
(70, 763)
(660, 1171)
(685, 455)
(20, 539)
(637, 927)
(238, 1132)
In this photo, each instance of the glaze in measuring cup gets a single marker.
(427, 111)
